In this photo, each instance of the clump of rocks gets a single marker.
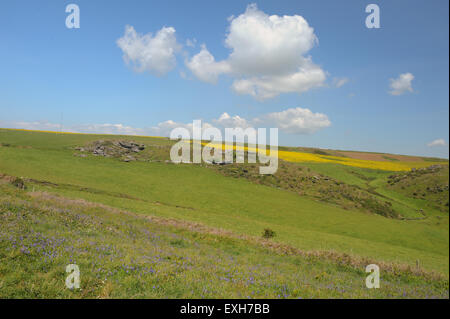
(415, 172)
(437, 188)
(126, 150)
(429, 169)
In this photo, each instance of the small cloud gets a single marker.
(338, 82)
(437, 142)
(191, 43)
(183, 75)
(106, 128)
(36, 125)
(226, 120)
(402, 84)
(296, 120)
(351, 95)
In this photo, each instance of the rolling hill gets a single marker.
(141, 226)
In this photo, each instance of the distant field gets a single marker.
(357, 159)
(382, 157)
(234, 201)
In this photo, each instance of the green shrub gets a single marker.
(19, 183)
(268, 233)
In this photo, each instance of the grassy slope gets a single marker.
(121, 254)
(207, 197)
(376, 181)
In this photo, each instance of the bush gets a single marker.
(268, 233)
(19, 183)
(320, 152)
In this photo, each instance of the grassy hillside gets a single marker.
(125, 255)
(150, 187)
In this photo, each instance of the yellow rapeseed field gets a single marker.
(315, 158)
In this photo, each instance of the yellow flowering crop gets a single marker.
(316, 158)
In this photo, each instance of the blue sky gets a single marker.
(51, 74)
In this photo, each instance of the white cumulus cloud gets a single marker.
(205, 68)
(296, 120)
(268, 56)
(164, 128)
(225, 120)
(106, 128)
(155, 54)
(437, 142)
(338, 82)
(81, 128)
(263, 44)
(402, 84)
(269, 86)
(35, 125)
(293, 120)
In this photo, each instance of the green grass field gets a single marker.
(412, 251)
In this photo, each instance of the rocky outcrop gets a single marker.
(126, 150)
